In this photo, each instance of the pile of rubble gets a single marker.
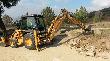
(90, 45)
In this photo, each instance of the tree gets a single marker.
(8, 21)
(98, 16)
(6, 4)
(16, 23)
(48, 14)
(81, 14)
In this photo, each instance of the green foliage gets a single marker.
(106, 11)
(98, 16)
(7, 4)
(67, 21)
(8, 21)
(81, 14)
(48, 14)
(17, 24)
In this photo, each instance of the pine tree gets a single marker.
(48, 14)
(81, 14)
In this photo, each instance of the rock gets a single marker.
(62, 31)
(108, 45)
(104, 55)
(92, 54)
(97, 32)
(77, 40)
(74, 43)
(91, 51)
(71, 43)
(80, 50)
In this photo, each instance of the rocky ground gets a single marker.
(68, 46)
(94, 45)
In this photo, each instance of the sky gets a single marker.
(36, 6)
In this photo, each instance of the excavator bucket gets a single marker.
(88, 30)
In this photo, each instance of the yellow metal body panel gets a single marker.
(36, 39)
(18, 35)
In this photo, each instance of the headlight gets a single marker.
(44, 40)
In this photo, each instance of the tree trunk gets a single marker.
(2, 26)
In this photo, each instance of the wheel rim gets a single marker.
(20, 41)
(28, 42)
(12, 44)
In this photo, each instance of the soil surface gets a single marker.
(68, 46)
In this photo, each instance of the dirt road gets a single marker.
(55, 53)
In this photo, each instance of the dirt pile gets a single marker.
(90, 45)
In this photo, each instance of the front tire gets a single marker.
(29, 42)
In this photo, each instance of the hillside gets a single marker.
(105, 13)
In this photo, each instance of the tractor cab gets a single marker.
(34, 22)
(36, 31)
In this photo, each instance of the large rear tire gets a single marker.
(29, 41)
(2, 42)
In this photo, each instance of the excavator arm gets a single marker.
(74, 20)
(58, 21)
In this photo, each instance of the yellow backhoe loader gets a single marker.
(41, 35)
